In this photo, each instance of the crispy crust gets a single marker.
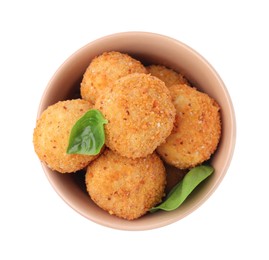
(104, 70)
(126, 187)
(51, 136)
(197, 129)
(140, 114)
(168, 76)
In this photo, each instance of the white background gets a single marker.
(36, 37)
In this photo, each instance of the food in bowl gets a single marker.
(140, 117)
(168, 76)
(140, 114)
(197, 128)
(104, 70)
(52, 132)
(126, 187)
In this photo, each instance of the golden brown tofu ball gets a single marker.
(168, 76)
(126, 187)
(51, 136)
(197, 129)
(104, 70)
(140, 114)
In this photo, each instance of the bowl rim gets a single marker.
(231, 112)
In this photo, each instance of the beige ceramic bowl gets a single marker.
(150, 49)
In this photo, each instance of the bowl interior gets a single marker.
(150, 49)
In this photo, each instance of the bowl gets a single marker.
(150, 48)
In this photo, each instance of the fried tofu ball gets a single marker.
(197, 129)
(51, 136)
(140, 114)
(168, 76)
(126, 187)
(104, 70)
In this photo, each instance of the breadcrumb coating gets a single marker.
(51, 136)
(153, 113)
(126, 187)
(140, 114)
(168, 76)
(197, 128)
(104, 70)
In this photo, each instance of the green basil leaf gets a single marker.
(87, 135)
(183, 189)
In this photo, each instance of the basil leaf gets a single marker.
(87, 135)
(183, 189)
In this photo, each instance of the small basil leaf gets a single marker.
(182, 190)
(87, 135)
